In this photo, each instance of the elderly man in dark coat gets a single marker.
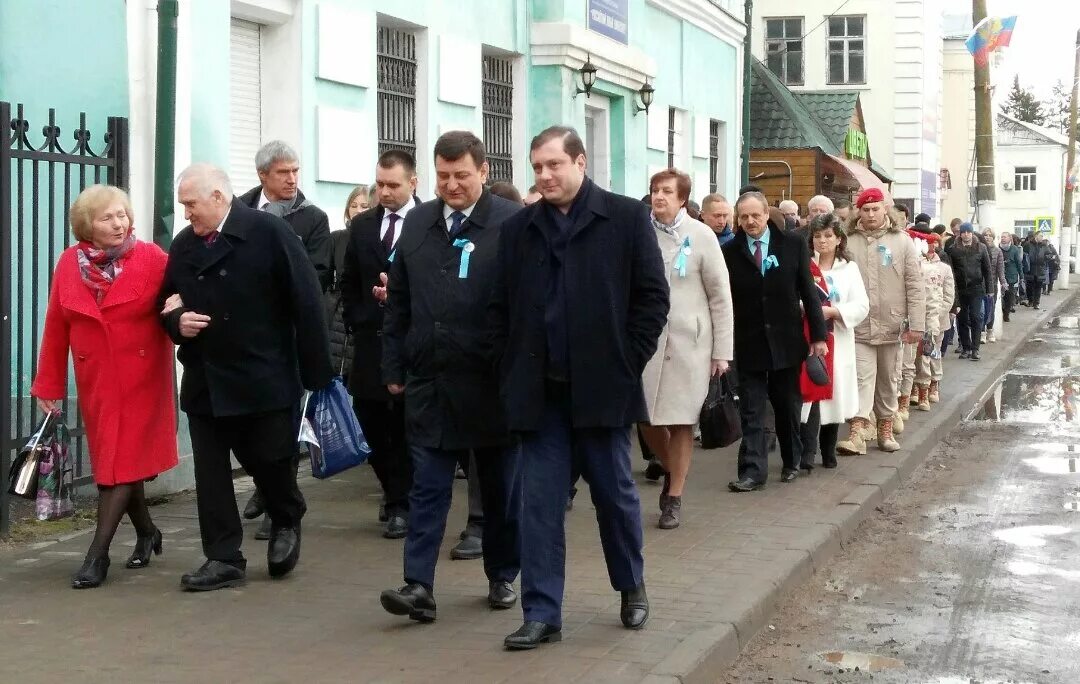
(770, 279)
(435, 342)
(242, 301)
(577, 310)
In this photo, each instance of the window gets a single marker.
(672, 117)
(397, 90)
(1024, 178)
(714, 153)
(245, 102)
(498, 100)
(847, 55)
(1022, 228)
(784, 49)
(676, 142)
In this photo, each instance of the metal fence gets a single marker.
(38, 183)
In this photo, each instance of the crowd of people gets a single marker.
(511, 340)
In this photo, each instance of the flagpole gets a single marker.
(1067, 228)
(985, 195)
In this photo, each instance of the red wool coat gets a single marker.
(123, 365)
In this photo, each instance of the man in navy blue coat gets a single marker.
(579, 302)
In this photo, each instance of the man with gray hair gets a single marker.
(278, 192)
(818, 205)
(242, 301)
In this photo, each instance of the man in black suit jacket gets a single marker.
(576, 313)
(373, 243)
(770, 277)
(242, 301)
(435, 351)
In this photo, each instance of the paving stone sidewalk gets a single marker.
(712, 583)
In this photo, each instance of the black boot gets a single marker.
(140, 557)
(93, 572)
(635, 608)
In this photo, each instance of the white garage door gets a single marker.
(245, 105)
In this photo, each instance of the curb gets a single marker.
(704, 655)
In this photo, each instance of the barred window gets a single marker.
(498, 101)
(397, 90)
(714, 153)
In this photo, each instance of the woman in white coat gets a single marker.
(848, 307)
(695, 344)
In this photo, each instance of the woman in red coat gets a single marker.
(102, 308)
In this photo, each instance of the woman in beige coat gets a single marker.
(696, 342)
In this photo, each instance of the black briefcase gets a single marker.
(719, 421)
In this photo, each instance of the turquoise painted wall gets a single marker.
(210, 20)
(40, 68)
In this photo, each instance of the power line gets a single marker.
(803, 36)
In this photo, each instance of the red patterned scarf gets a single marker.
(101, 267)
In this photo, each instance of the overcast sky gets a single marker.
(1043, 48)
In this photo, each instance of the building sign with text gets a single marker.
(609, 18)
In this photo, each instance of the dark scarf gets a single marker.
(101, 267)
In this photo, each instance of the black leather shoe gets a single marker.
(501, 595)
(745, 485)
(808, 467)
(965, 354)
(789, 475)
(532, 634)
(92, 574)
(263, 533)
(254, 507)
(140, 557)
(470, 547)
(635, 608)
(654, 471)
(975, 356)
(397, 526)
(283, 551)
(214, 575)
(412, 600)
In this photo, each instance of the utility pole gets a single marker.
(747, 44)
(985, 195)
(1067, 229)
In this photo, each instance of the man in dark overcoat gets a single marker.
(374, 239)
(243, 303)
(771, 289)
(435, 351)
(577, 310)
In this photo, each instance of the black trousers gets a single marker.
(265, 445)
(383, 423)
(813, 433)
(1034, 290)
(781, 389)
(475, 525)
(969, 323)
(1009, 303)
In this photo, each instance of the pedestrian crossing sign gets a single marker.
(1044, 224)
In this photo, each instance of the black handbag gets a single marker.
(719, 421)
(23, 475)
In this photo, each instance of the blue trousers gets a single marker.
(549, 457)
(429, 504)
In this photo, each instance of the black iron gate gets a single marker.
(37, 186)
(396, 58)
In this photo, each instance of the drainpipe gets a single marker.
(165, 122)
(746, 94)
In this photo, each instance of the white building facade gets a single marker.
(891, 52)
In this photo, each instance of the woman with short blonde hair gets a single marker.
(103, 309)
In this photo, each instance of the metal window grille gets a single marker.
(784, 48)
(671, 135)
(397, 90)
(498, 104)
(1024, 178)
(847, 45)
(714, 154)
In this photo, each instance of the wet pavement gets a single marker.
(970, 574)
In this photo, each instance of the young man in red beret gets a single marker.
(890, 268)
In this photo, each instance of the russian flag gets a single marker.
(988, 35)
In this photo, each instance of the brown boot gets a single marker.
(924, 398)
(902, 406)
(855, 444)
(885, 439)
(933, 394)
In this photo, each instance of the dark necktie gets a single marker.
(211, 237)
(757, 254)
(455, 223)
(388, 239)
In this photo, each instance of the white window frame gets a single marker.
(1024, 178)
(775, 45)
(846, 50)
(678, 139)
(1023, 227)
(599, 164)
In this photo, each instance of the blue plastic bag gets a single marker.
(331, 431)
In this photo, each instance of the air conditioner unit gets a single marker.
(1007, 185)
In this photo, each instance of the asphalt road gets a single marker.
(970, 574)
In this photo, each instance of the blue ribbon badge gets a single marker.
(467, 248)
(392, 255)
(886, 255)
(770, 262)
(834, 294)
(680, 260)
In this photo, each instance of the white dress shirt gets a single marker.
(405, 209)
(264, 201)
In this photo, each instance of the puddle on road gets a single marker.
(1064, 322)
(1020, 398)
(1031, 536)
(1029, 569)
(866, 662)
(1054, 465)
